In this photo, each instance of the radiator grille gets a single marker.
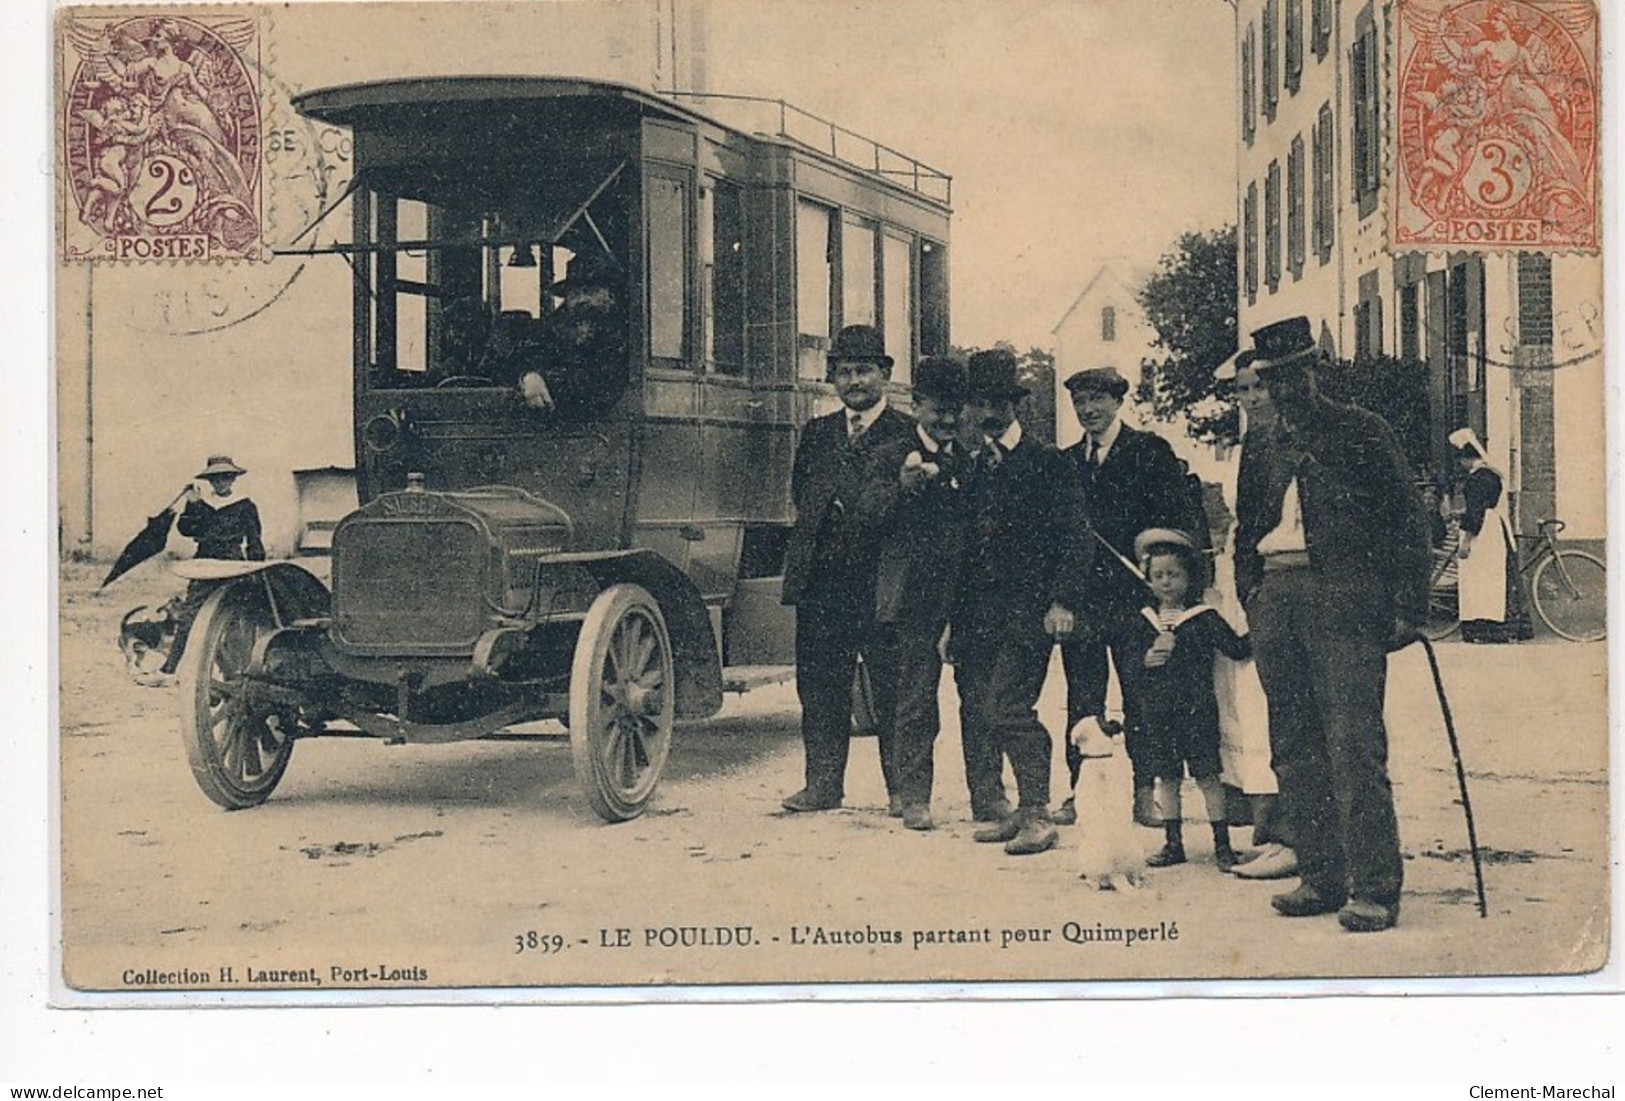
(401, 586)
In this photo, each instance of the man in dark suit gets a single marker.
(1332, 565)
(1131, 483)
(922, 490)
(1026, 558)
(829, 572)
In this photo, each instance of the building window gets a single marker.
(1249, 243)
(1364, 92)
(1320, 31)
(1325, 185)
(1368, 318)
(1464, 342)
(1108, 323)
(1272, 58)
(1272, 226)
(1294, 45)
(1410, 322)
(1249, 85)
(1294, 208)
(1534, 300)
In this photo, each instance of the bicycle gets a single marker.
(1568, 588)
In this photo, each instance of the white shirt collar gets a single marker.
(867, 418)
(1011, 437)
(1104, 443)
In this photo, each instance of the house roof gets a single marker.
(1111, 271)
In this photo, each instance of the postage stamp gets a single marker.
(1496, 142)
(160, 136)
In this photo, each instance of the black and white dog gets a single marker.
(144, 637)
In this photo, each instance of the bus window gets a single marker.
(897, 303)
(668, 268)
(933, 298)
(857, 273)
(814, 276)
(722, 241)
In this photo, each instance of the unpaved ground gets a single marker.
(429, 866)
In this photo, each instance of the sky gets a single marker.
(1075, 130)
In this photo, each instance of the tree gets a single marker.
(1191, 303)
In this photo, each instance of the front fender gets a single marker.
(294, 593)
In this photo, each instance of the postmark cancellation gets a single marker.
(160, 135)
(1496, 105)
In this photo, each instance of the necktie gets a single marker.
(854, 425)
(1094, 451)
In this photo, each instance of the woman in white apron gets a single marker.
(1488, 591)
(1244, 729)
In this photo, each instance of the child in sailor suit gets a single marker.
(1179, 638)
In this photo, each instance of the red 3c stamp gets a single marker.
(1496, 126)
(160, 136)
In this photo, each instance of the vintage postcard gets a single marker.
(560, 496)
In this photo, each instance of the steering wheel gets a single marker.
(466, 381)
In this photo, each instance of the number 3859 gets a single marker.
(532, 941)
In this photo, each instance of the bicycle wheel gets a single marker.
(1571, 595)
(1444, 616)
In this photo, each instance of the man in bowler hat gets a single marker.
(1131, 482)
(829, 572)
(1027, 554)
(923, 492)
(1332, 565)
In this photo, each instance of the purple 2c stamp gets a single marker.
(161, 136)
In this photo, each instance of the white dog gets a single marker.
(1110, 854)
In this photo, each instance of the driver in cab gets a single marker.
(578, 367)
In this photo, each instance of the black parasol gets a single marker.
(148, 542)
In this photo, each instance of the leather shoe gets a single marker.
(1274, 862)
(1166, 857)
(999, 832)
(1067, 813)
(1362, 915)
(1305, 901)
(1037, 834)
(803, 801)
(917, 818)
(996, 811)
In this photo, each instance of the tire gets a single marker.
(1570, 591)
(622, 702)
(238, 749)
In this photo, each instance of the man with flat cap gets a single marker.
(829, 571)
(1332, 565)
(922, 492)
(1131, 482)
(1026, 559)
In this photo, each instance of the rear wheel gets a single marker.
(1571, 595)
(622, 702)
(238, 745)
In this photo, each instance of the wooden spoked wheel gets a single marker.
(622, 701)
(238, 745)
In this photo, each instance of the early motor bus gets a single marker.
(607, 553)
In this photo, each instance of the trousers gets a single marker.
(1086, 678)
(1321, 646)
(911, 657)
(829, 640)
(999, 682)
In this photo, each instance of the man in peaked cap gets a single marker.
(1026, 558)
(921, 489)
(1131, 482)
(1332, 566)
(829, 571)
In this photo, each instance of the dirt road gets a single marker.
(480, 863)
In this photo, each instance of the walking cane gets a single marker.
(1461, 772)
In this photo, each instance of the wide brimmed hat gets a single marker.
(861, 343)
(219, 465)
(589, 269)
(1163, 537)
(941, 379)
(1230, 368)
(1288, 343)
(1098, 380)
(992, 374)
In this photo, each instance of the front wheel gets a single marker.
(237, 744)
(1571, 595)
(622, 701)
